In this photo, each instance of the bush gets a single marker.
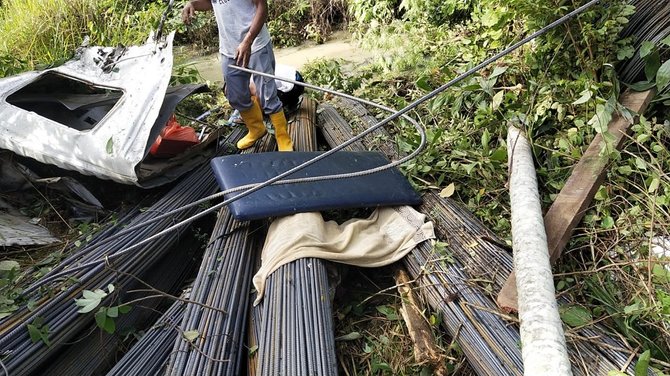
(292, 22)
(48, 31)
(202, 33)
(563, 89)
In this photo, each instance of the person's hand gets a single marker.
(243, 54)
(188, 13)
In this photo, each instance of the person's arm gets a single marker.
(192, 6)
(244, 49)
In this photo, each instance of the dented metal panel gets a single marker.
(114, 147)
(17, 230)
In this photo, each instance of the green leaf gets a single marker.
(585, 97)
(190, 335)
(380, 366)
(497, 71)
(625, 170)
(497, 100)
(642, 85)
(113, 312)
(616, 373)
(105, 322)
(366, 348)
(625, 53)
(646, 48)
(653, 186)
(38, 331)
(666, 41)
(651, 66)
(9, 265)
(607, 222)
(387, 311)
(110, 145)
(499, 155)
(575, 315)
(490, 18)
(642, 366)
(663, 76)
(642, 138)
(631, 308)
(123, 309)
(31, 305)
(601, 119)
(34, 333)
(101, 317)
(486, 138)
(422, 83)
(110, 325)
(640, 163)
(660, 274)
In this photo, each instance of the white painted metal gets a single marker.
(120, 141)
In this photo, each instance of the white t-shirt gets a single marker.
(233, 18)
(285, 71)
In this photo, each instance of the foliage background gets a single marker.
(562, 89)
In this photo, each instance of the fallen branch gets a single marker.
(426, 350)
(542, 340)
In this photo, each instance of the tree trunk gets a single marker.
(542, 338)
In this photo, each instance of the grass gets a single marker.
(43, 32)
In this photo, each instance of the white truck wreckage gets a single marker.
(100, 113)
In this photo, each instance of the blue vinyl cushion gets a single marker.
(386, 188)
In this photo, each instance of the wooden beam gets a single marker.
(569, 207)
(426, 350)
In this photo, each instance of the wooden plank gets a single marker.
(569, 207)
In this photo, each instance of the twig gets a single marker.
(493, 312)
(159, 293)
(629, 360)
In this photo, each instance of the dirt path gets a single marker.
(338, 46)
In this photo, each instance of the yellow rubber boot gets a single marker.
(253, 119)
(284, 142)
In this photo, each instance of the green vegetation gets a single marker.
(292, 22)
(563, 90)
(47, 32)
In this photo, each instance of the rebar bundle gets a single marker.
(296, 335)
(106, 263)
(95, 354)
(455, 281)
(150, 354)
(223, 282)
(651, 22)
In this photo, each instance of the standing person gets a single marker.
(244, 40)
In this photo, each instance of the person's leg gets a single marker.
(266, 89)
(240, 98)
